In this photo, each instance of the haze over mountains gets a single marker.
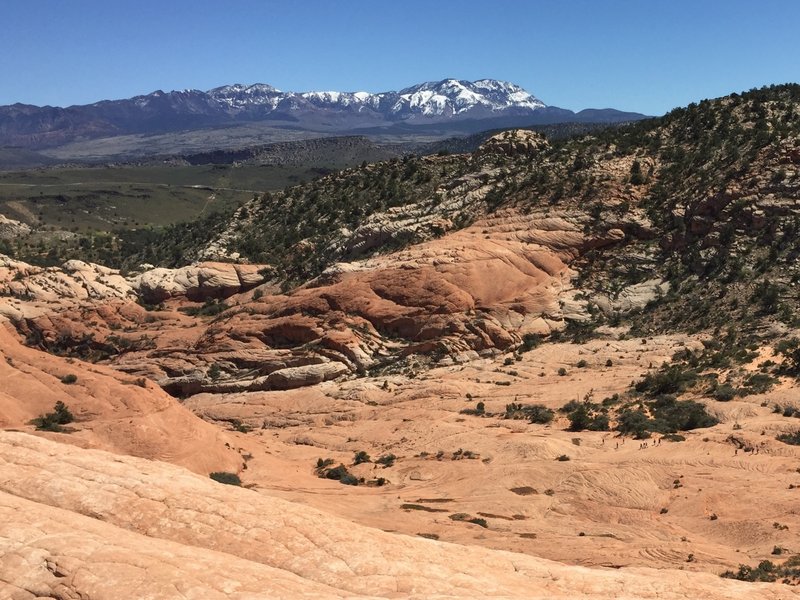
(431, 110)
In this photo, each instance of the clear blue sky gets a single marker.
(647, 56)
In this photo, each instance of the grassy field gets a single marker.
(108, 198)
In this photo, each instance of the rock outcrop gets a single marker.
(11, 229)
(197, 282)
(79, 281)
(516, 142)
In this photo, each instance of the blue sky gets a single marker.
(647, 56)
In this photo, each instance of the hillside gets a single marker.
(704, 196)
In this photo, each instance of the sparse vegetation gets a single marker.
(767, 571)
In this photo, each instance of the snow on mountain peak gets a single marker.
(458, 96)
(445, 98)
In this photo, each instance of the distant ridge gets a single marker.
(467, 106)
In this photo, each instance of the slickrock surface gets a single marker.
(84, 523)
(603, 506)
(112, 411)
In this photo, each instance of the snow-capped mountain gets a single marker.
(452, 106)
(447, 98)
(454, 97)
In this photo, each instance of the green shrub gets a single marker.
(759, 383)
(361, 457)
(535, 413)
(54, 421)
(387, 460)
(210, 308)
(669, 380)
(790, 438)
(765, 571)
(529, 342)
(336, 473)
(480, 522)
(579, 419)
(226, 478)
(214, 371)
(724, 393)
(671, 415)
(539, 414)
(69, 379)
(633, 422)
(584, 416)
(599, 423)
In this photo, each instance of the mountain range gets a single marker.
(435, 109)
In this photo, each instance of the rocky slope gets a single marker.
(112, 411)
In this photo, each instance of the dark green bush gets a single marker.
(535, 413)
(759, 383)
(361, 457)
(668, 380)
(584, 416)
(529, 342)
(790, 438)
(539, 414)
(633, 422)
(680, 415)
(54, 421)
(387, 460)
(226, 478)
(579, 419)
(724, 393)
(765, 571)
